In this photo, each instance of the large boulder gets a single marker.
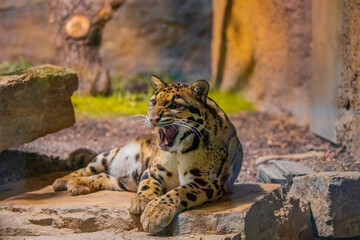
(334, 200)
(252, 211)
(35, 102)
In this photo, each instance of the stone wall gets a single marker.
(348, 126)
(143, 36)
(264, 46)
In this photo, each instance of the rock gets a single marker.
(120, 235)
(252, 211)
(282, 171)
(348, 102)
(63, 214)
(334, 199)
(35, 102)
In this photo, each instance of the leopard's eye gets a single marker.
(175, 105)
(152, 103)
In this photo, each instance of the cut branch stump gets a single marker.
(79, 31)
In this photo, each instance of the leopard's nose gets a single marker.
(154, 120)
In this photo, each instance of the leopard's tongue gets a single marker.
(167, 136)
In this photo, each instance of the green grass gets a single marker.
(121, 104)
(111, 106)
(7, 67)
(231, 102)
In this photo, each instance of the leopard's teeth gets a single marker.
(166, 142)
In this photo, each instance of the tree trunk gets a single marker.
(80, 24)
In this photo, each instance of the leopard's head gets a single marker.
(177, 109)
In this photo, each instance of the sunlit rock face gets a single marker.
(264, 46)
(35, 102)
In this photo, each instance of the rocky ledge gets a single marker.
(252, 211)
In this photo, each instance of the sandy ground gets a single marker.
(261, 134)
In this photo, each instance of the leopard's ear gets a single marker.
(200, 90)
(157, 83)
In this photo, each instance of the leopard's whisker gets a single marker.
(134, 116)
(137, 121)
(191, 128)
(188, 124)
(203, 127)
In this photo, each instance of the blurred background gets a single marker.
(287, 71)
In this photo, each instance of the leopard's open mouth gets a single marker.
(167, 136)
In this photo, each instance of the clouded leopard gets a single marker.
(194, 159)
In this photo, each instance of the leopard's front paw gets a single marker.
(79, 186)
(60, 184)
(157, 216)
(138, 204)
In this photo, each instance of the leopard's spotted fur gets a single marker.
(195, 158)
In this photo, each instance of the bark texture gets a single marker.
(80, 24)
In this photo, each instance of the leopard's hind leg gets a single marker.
(98, 165)
(118, 169)
(85, 185)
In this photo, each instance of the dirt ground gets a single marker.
(261, 134)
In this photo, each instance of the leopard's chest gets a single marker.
(170, 162)
(181, 165)
(187, 163)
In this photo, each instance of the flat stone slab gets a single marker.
(35, 102)
(251, 210)
(334, 199)
(282, 171)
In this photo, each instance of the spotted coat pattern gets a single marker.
(195, 165)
